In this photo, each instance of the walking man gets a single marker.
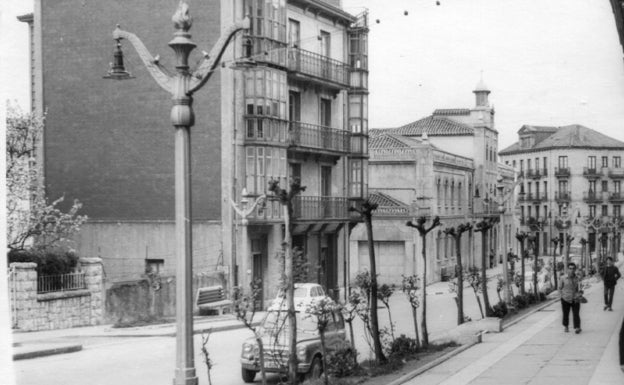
(609, 278)
(570, 298)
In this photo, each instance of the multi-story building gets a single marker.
(618, 14)
(442, 165)
(300, 111)
(571, 167)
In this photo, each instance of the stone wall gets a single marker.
(56, 310)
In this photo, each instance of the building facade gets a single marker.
(442, 165)
(296, 109)
(571, 174)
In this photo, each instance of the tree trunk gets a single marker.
(486, 299)
(290, 301)
(535, 275)
(324, 358)
(555, 272)
(415, 317)
(352, 340)
(379, 356)
(460, 282)
(423, 326)
(261, 353)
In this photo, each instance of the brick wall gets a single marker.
(56, 310)
(109, 143)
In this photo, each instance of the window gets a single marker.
(617, 162)
(265, 100)
(604, 210)
(268, 29)
(605, 186)
(294, 171)
(563, 187)
(459, 195)
(154, 266)
(264, 164)
(617, 211)
(545, 164)
(563, 162)
(521, 165)
(592, 186)
(616, 186)
(592, 211)
(591, 162)
(605, 161)
(325, 112)
(487, 152)
(294, 33)
(357, 181)
(521, 211)
(452, 193)
(529, 165)
(545, 190)
(439, 245)
(529, 188)
(325, 39)
(529, 212)
(514, 164)
(545, 211)
(537, 212)
(537, 165)
(294, 106)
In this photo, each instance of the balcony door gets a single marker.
(326, 177)
(325, 121)
(325, 48)
(294, 33)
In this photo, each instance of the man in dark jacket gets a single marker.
(609, 278)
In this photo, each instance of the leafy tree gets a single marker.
(245, 310)
(521, 236)
(384, 292)
(286, 200)
(456, 233)
(366, 213)
(31, 219)
(483, 227)
(323, 310)
(409, 286)
(474, 279)
(423, 231)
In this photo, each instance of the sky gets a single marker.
(554, 62)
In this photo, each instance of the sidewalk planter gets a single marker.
(55, 310)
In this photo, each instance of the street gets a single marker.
(132, 360)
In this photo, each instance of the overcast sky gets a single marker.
(547, 62)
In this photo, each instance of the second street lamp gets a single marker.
(181, 86)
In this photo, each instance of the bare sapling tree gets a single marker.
(245, 310)
(349, 312)
(473, 277)
(423, 231)
(556, 241)
(410, 286)
(205, 337)
(286, 199)
(366, 213)
(456, 233)
(483, 227)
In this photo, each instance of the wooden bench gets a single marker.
(212, 298)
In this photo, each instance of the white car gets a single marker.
(303, 293)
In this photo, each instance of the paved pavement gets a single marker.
(536, 351)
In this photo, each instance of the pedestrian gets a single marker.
(609, 277)
(570, 293)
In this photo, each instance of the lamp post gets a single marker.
(502, 199)
(181, 86)
(243, 211)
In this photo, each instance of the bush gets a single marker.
(49, 261)
(342, 362)
(403, 347)
(500, 310)
(519, 301)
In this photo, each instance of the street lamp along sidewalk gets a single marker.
(181, 86)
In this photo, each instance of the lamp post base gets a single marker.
(185, 377)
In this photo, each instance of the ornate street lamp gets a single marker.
(181, 86)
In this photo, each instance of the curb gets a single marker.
(437, 361)
(47, 352)
(199, 330)
(545, 304)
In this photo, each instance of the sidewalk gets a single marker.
(43, 343)
(536, 350)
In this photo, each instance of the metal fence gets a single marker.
(61, 282)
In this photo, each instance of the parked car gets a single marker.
(303, 292)
(274, 333)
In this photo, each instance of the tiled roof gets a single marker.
(572, 136)
(433, 126)
(384, 200)
(385, 140)
(531, 128)
(451, 111)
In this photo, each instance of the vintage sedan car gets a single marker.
(274, 334)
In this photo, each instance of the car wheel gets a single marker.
(248, 375)
(315, 369)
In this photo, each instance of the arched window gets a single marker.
(439, 245)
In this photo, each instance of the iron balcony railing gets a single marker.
(616, 197)
(562, 195)
(318, 66)
(317, 137)
(591, 172)
(616, 173)
(592, 197)
(562, 171)
(533, 173)
(535, 197)
(320, 207)
(61, 282)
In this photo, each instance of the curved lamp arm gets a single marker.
(209, 63)
(163, 80)
(245, 213)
